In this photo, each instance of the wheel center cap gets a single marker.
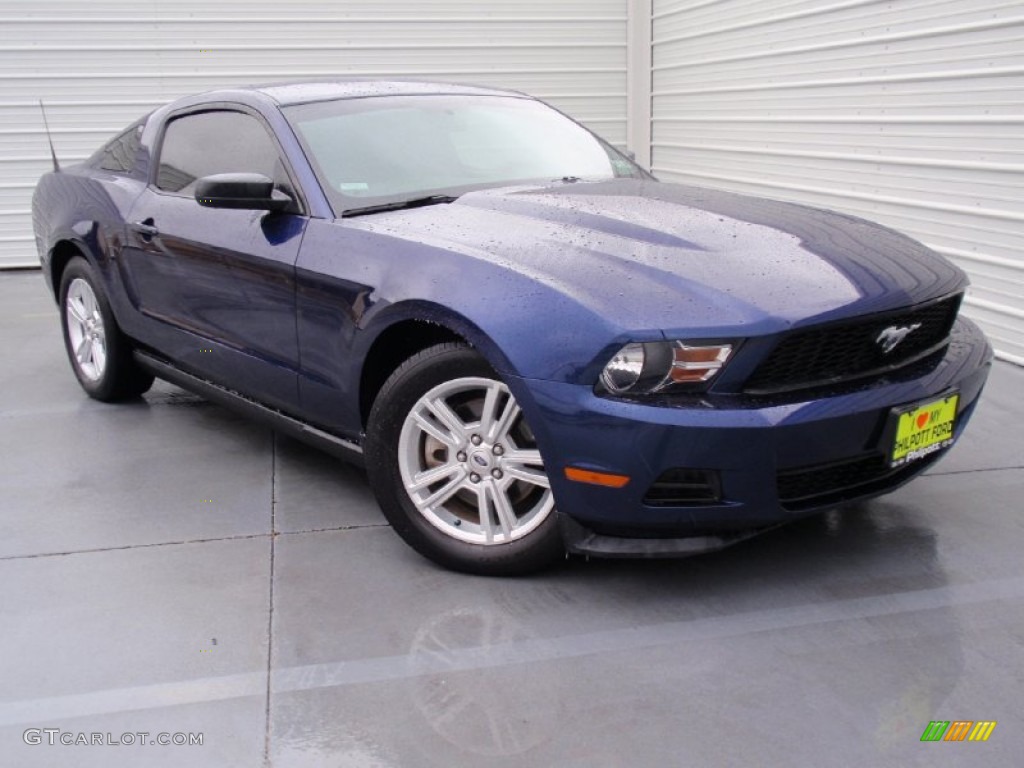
(480, 459)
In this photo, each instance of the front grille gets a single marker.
(831, 483)
(851, 349)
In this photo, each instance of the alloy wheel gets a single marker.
(86, 332)
(470, 464)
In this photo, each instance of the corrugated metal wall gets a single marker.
(909, 112)
(99, 65)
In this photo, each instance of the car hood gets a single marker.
(651, 255)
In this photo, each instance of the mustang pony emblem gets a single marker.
(893, 335)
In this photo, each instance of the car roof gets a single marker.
(324, 90)
(286, 94)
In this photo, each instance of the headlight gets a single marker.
(658, 366)
(624, 370)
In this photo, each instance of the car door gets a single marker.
(218, 284)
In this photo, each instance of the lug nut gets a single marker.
(476, 439)
(498, 450)
(474, 478)
(496, 474)
(461, 456)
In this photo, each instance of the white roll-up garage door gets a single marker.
(909, 112)
(99, 65)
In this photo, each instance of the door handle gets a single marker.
(145, 228)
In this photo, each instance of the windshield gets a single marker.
(369, 151)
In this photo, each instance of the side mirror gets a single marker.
(251, 191)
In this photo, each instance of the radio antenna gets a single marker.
(49, 138)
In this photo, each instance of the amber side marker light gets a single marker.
(596, 478)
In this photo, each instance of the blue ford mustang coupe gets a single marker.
(531, 344)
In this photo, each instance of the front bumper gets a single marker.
(748, 446)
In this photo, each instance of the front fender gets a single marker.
(378, 321)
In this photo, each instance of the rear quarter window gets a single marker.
(118, 155)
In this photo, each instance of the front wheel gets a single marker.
(456, 468)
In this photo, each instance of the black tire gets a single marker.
(118, 376)
(532, 541)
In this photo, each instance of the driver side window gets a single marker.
(205, 143)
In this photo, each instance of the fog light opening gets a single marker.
(680, 487)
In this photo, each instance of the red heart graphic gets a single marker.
(922, 420)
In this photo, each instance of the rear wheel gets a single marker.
(99, 353)
(456, 468)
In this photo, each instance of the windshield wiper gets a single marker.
(416, 202)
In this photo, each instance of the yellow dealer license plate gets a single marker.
(923, 429)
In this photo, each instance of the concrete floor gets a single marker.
(160, 560)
